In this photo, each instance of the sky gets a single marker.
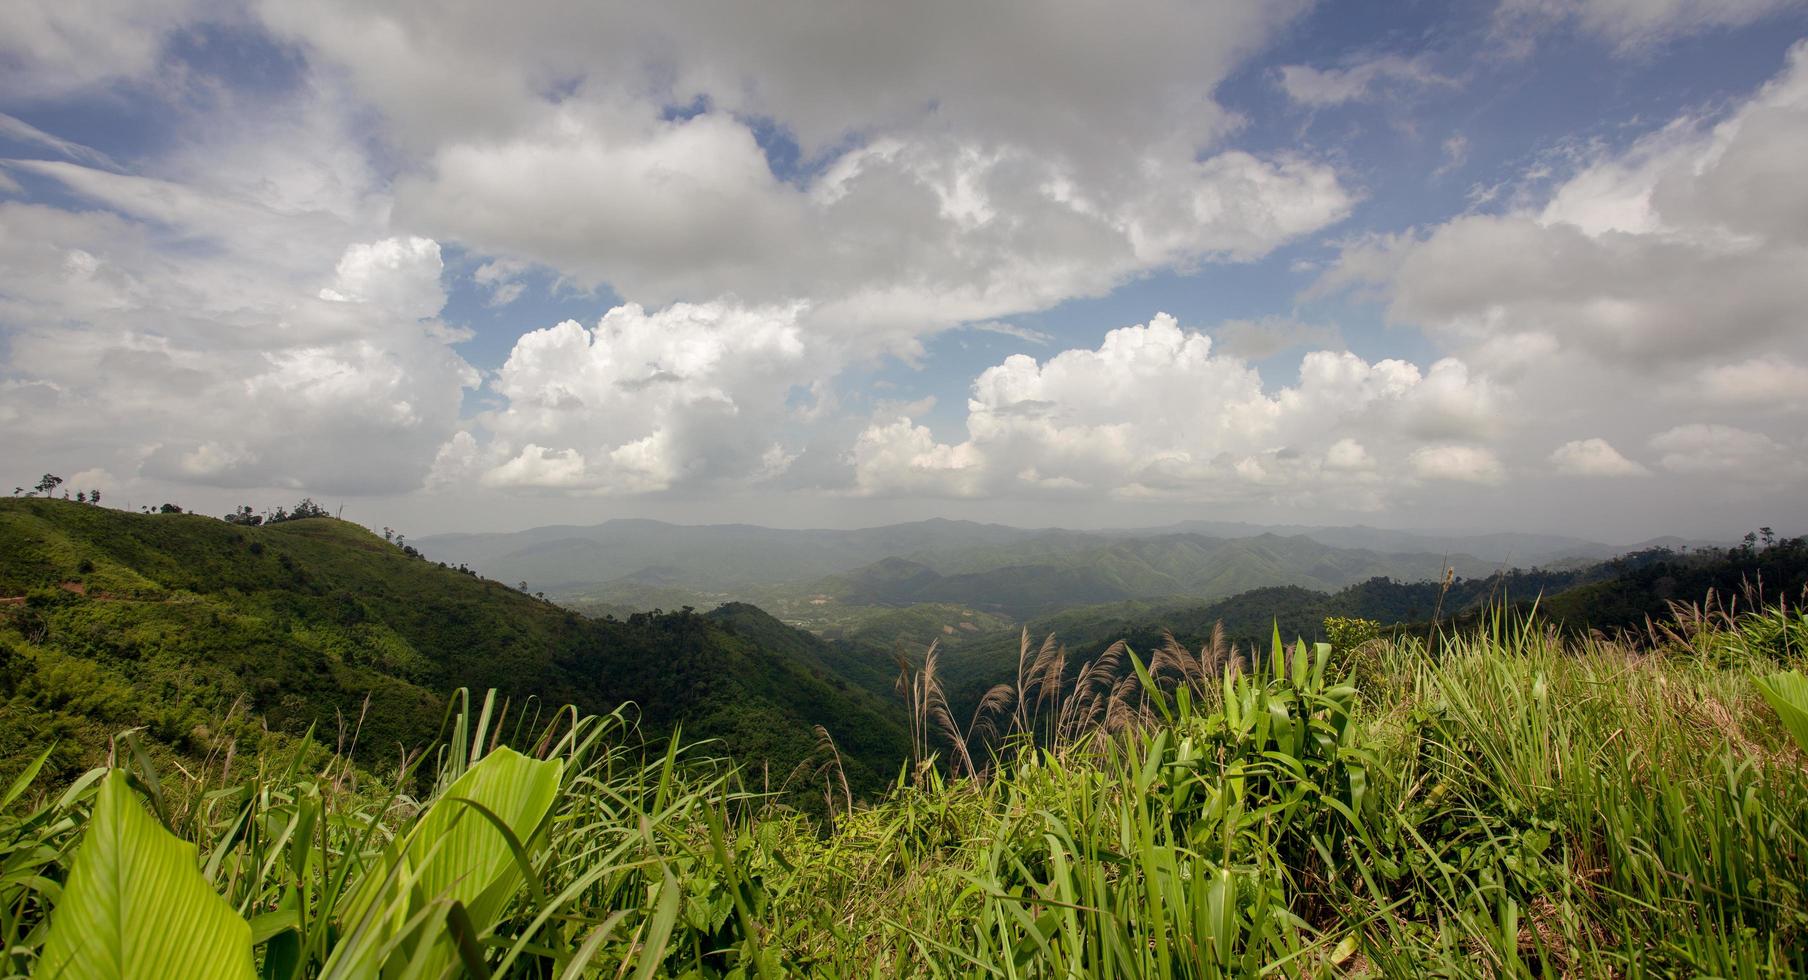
(1536, 265)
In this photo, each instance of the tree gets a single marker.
(94, 496)
(244, 516)
(48, 483)
(81, 496)
(169, 509)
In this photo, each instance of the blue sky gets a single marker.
(1516, 265)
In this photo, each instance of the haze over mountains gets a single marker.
(1018, 572)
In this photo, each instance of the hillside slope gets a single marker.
(1621, 594)
(189, 626)
(1061, 569)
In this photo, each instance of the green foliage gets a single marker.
(460, 864)
(1788, 696)
(1346, 633)
(1481, 809)
(228, 639)
(1504, 799)
(135, 904)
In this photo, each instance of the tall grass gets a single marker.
(1504, 802)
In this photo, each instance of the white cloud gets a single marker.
(1632, 257)
(1055, 77)
(1456, 153)
(1648, 286)
(399, 275)
(1773, 382)
(1463, 464)
(50, 48)
(1630, 25)
(502, 278)
(1346, 455)
(537, 466)
(692, 393)
(1729, 453)
(1155, 411)
(1358, 81)
(18, 129)
(900, 456)
(955, 168)
(1028, 334)
(177, 331)
(1594, 457)
(894, 239)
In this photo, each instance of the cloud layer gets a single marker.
(768, 208)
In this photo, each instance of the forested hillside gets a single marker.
(1621, 594)
(196, 629)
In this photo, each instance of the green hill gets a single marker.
(1623, 593)
(1061, 569)
(199, 630)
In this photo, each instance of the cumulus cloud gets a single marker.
(1773, 382)
(227, 332)
(1633, 255)
(1594, 457)
(1651, 284)
(1056, 77)
(774, 194)
(1156, 411)
(953, 168)
(1463, 464)
(693, 393)
(893, 239)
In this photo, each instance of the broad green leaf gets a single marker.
(470, 848)
(1788, 696)
(136, 905)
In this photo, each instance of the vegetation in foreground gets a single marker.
(1503, 802)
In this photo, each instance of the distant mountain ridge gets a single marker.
(708, 557)
(1037, 577)
(1021, 571)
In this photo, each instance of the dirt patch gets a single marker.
(79, 588)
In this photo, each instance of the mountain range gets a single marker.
(626, 564)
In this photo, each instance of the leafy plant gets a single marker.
(435, 897)
(1787, 694)
(135, 904)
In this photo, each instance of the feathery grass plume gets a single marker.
(994, 705)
